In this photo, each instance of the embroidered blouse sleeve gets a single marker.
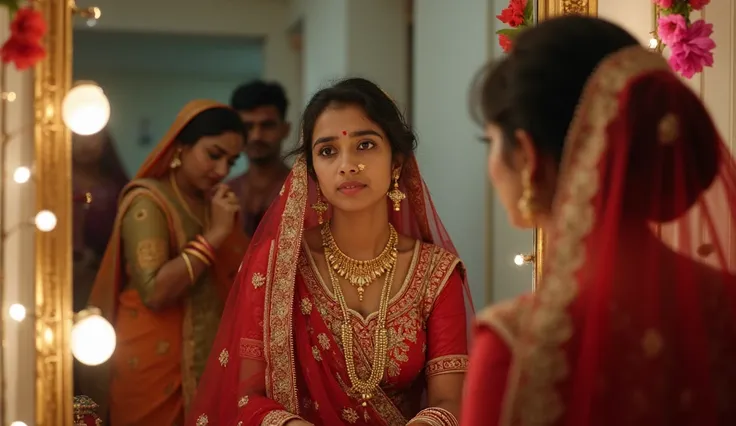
(145, 239)
(447, 334)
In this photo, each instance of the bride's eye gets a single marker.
(326, 151)
(366, 145)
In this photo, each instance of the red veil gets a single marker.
(635, 319)
(260, 356)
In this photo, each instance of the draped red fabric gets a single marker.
(634, 322)
(263, 368)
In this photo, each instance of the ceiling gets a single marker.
(213, 56)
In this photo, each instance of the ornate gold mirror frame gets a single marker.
(547, 9)
(53, 261)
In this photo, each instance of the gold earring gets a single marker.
(528, 202)
(176, 161)
(320, 207)
(395, 195)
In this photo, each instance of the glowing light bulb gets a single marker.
(45, 221)
(22, 174)
(17, 312)
(519, 259)
(85, 109)
(93, 338)
(18, 423)
(653, 43)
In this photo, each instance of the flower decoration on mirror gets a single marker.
(24, 48)
(519, 15)
(689, 42)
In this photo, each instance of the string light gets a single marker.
(85, 109)
(523, 259)
(653, 43)
(17, 312)
(8, 96)
(93, 337)
(22, 174)
(45, 221)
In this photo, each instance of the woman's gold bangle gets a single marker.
(190, 270)
(194, 252)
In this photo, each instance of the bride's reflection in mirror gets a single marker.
(159, 284)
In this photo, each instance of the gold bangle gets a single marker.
(204, 250)
(194, 252)
(190, 270)
(425, 419)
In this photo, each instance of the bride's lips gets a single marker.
(351, 188)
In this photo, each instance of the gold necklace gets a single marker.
(359, 273)
(185, 205)
(365, 388)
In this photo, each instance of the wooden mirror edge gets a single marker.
(53, 255)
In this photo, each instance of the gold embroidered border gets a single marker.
(447, 364)
(505, 319)
(543, 362)
(278, 332)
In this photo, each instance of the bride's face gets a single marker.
(352, 159)
(504, 171)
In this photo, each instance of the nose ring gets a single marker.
(361, 167)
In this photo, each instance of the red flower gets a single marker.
(28, 23)
(22, 51)
(698, 4)
(505, 42)
(513, 15)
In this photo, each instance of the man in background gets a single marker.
(262, 106)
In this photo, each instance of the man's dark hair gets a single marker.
(260, 93)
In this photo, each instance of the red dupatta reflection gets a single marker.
(635, 319)
(263, 354)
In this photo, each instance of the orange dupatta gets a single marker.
(106, 292)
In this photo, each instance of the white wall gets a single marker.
(355, 39)
(452, 162)
(507, 279)
(265, 19)
(18, 349)
(157, 97)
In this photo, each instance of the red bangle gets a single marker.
(207, 244)
(201, 248)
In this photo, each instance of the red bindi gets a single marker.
(344, 132)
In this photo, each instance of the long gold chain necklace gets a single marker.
(365, 388)
(186, 207)
(359, 273)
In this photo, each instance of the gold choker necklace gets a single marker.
(360, 273)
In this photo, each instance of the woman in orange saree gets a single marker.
(597, 141)
(298, 342)
(168, 268)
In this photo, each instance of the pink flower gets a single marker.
(698, 4)
(671, 28)
(664, 4)
(694, 51)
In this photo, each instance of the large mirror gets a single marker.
(149, 61)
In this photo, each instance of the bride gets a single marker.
(595, 140)
(350, 307)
